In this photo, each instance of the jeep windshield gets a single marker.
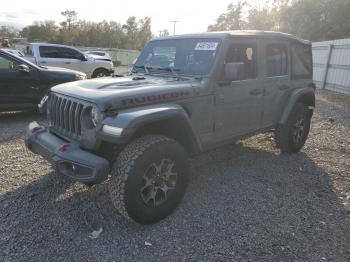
(185, 56)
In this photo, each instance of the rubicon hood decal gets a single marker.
(154, 98)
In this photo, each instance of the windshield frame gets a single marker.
(161, 71)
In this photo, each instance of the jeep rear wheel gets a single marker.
(149, 178)
(292, 136)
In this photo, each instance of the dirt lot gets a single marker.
(245, 202)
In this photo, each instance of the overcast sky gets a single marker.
(194, 15)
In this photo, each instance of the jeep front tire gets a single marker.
(291, 137)
(149, 178)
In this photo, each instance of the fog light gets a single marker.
(112, 130)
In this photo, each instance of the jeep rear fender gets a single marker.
(165, 119)
(302, 95)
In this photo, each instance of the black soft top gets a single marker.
(247, 33)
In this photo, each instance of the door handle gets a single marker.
(283, 87)
(256, 92)
(43, 62)
(67, 63)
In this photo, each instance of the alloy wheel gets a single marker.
(158, 182)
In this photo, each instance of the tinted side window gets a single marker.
(245, 54)
(70, 53)
(276, 60)
(50, 52)
(7, 65)
(301, 61)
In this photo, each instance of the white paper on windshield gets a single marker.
(206, 46)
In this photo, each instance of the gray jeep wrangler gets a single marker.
(185, 95)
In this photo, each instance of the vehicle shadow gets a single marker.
(13, 124)
(243, 203)
(16, 115)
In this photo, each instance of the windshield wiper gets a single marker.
(146, 68)
(170, 69)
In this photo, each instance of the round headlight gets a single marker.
(96, 116)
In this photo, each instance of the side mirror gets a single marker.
(83, 58)
(23, 68)
(234, 71)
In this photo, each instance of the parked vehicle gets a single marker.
(23, 84)
(98, 53)
(13, 51)
(69, 57)
(187, 94)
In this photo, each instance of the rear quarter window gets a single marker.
(276, 60)
(301, 61)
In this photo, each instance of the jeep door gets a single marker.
(239, 103)
(276, 79)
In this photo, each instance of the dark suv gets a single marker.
(185, 95)
(23, 84)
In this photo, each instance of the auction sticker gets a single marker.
(206, 46)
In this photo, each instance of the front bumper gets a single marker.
(66, 157)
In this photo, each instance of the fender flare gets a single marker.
(305, 95)
(132, 119)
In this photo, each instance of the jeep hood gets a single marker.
(112, 92)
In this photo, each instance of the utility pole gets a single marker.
(174, 22)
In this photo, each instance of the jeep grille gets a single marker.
(64, 115)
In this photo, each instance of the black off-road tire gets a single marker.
(128, 173)
(285, 134)
(100, 72)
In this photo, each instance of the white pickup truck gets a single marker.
(69, 57)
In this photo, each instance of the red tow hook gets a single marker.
(35, 129)
(64, 147)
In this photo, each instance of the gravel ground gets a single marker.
(245, 202)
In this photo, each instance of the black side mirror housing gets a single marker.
(83, 58)
(23, 68)
(234, 71)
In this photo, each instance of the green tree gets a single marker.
(46, 31)
(8, 31)
(164, 32)
(68, 28)
(134, 34)
(231, 19)
(264, 19)
(71, 18)
(144, 32)
(131, 32)
(317, 20)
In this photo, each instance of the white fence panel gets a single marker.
(332, 65)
